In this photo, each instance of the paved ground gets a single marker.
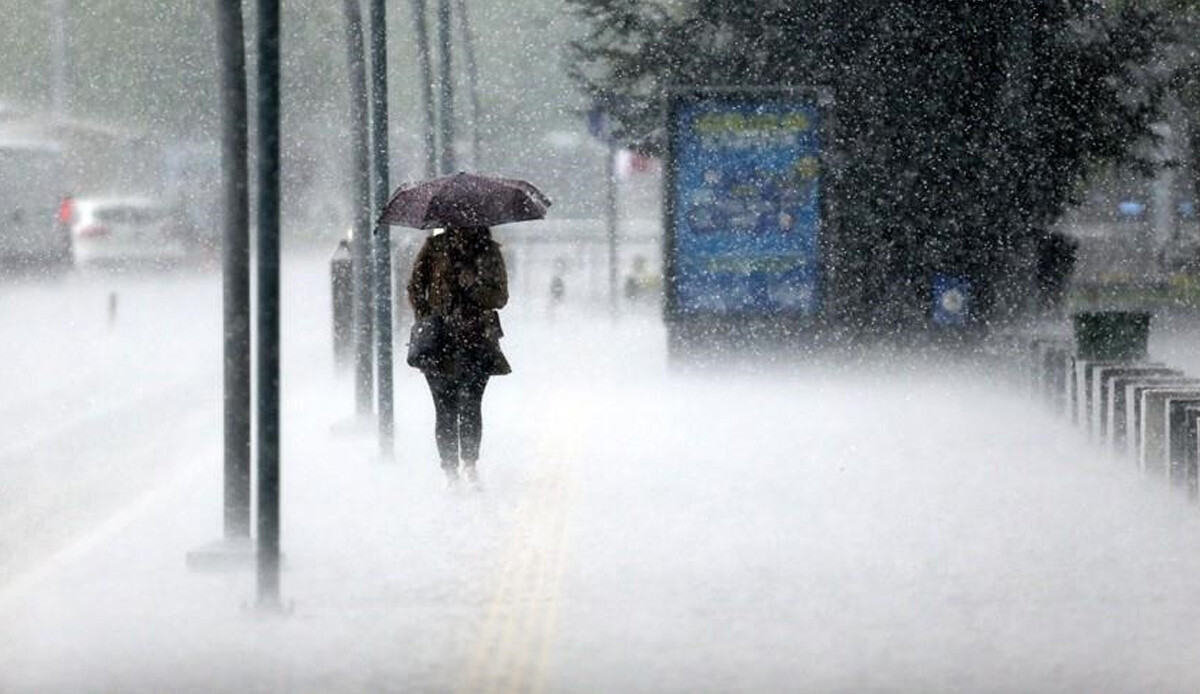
(892, 527)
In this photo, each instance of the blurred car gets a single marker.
(124, 231)
(33, 232)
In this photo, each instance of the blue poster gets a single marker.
(745, 211)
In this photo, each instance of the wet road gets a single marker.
(888, 526)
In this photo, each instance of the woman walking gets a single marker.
(459, 279)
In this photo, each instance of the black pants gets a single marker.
(458, 403)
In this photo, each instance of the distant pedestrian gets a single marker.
(638, 282)
(459, 277)
(558, 286)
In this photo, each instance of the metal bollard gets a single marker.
(1120, 404)
(1055, 363)
(1191, 450)
(341, 277)
(1155, 421)
(1180, 429)
(1108, 395)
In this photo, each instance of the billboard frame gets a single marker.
(684, 325)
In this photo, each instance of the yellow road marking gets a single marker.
(551, 620)
(512, 651)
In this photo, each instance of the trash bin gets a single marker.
(1111, 335)
(342, 284)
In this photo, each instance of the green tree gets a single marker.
(960, 130)
(1185, 85)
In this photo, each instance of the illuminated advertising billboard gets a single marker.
(743, 204)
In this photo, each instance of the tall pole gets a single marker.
(468, 37)
(446, 82)
(425, 63)
(1022, 243)
(383, 240)
(58, 57)
(360, 175)
(235, 257)
(610, 222)
(267, 337)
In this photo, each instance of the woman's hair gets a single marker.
(470, 240)
(485, 231)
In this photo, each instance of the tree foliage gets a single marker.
(960, 129)
(1185, 85)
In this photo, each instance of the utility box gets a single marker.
(1120, 336)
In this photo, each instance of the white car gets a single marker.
(124, 231)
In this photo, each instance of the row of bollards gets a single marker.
(1102, 380)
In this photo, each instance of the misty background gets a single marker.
(141, 78)
(139, 93)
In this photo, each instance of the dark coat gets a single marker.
(460, 276)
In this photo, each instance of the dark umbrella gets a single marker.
(464, 200)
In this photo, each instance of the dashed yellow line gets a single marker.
(512, 650)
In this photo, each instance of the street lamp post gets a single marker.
(468, 38)
(382, 237)
(235, 547)
(236, 267)
(446, 82)
(267, 337)
(1019, 90)
(610, 223)
(425, 64)
(360, 172)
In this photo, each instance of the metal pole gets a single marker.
(610, 219)
(383, 240)
(58, 58)
(267, 337)
(235, 267)
(446, 82)
(468, 37)
(361, 178)
(1023, 245)
(425, 63)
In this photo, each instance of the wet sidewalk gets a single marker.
(892, 528)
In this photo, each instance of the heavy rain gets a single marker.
(594, 346)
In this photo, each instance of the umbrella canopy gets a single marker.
(464, 200)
